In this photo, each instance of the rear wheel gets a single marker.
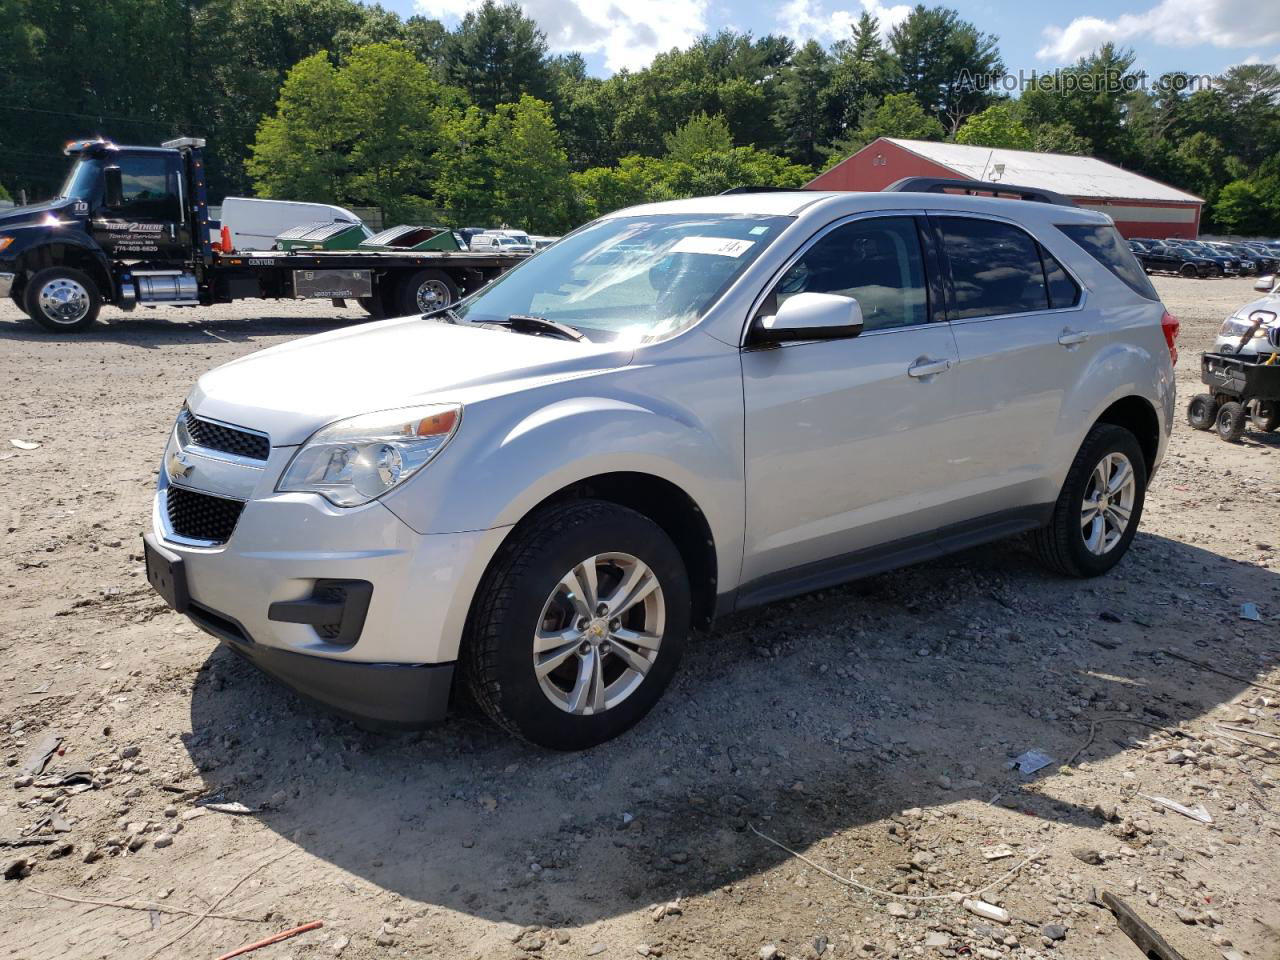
(1266, 416)
(1201, 411)
(1099, 508)
(425, 291)
(62, 299)
(1230, 421)
(579, 625)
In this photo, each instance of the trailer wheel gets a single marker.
(425, 291)
(1266, 416)
(1230, 422)
(62, 300)
(1202, 411)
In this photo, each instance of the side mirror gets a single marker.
(114, 187)
(1265, 283)
(810, 316)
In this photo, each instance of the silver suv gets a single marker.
(677, 411)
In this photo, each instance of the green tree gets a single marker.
(700, 134)
(1089, 98)
(899, 115)
(531, 185)
(295, 154)
(807, 114)
(1060, 138)
(465, 175)
(997, 126)
(862, 73)
(1239, 209)
(4, 194)
(946, 63)
(497, 54)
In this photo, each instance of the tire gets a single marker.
(1230, 421)
(372, 306)
(425, 291)
(62, 300)
(1202, 411)
(18, 302)
(1188, 270)
(522, 595)
(1064, 546)
(1266, 416)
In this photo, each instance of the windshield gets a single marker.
(81, 180)
(637, 278)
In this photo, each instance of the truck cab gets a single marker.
(120, 231)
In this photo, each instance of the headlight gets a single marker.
(5, 241)
(1234, 327)
(357, 460)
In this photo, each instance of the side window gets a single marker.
(995, 268)
(877, 262)
(1063, 291)
(1103, 243)
(150, 188)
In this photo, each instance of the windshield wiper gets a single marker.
(530, 324)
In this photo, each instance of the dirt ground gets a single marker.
(869, 728)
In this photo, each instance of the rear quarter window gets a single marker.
(1104, 244)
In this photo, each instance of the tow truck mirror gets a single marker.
(114, 187)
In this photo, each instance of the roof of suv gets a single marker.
(790, 204)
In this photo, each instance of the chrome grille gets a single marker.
(215, 436)
(199, 516)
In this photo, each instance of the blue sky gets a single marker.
(1200, 36)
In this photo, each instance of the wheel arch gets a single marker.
(667, 505)
(1137, 415)
(65, 254)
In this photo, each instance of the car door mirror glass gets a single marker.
(113, 188)
(811, 316)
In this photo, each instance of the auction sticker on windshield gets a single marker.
(717, 246)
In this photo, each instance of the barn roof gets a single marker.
(1074, 176)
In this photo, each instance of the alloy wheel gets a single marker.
(64, 301)
(1107, 508)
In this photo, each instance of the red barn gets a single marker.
(1140, 207)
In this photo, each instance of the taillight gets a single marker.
(1169, 326)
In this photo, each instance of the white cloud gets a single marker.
(1170, 23)
(810, 20)
(627, 36)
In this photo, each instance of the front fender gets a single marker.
(38, 245)
(511, 454)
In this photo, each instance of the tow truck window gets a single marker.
(150, 190)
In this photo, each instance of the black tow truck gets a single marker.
(131, 226)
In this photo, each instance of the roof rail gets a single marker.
(734, 190)
(972, 187)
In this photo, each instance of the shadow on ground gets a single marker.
(175, 326)
(807, 717)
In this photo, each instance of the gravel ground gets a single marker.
(869, 728)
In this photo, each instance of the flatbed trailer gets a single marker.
(131, 227)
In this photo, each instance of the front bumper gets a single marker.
(6, 283)
(258, 591)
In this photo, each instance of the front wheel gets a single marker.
(1231, 421)
(579, 625)
(1099, 508)
(62, 299)
(1188, 270)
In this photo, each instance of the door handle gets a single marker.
(1070, 338)
(924, 367)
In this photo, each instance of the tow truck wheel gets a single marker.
(62, 300)
(425, 291)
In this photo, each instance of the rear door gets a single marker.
(848, 441)
(1023, 333)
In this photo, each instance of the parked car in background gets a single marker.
(541, 242)
(1158, 258)
(1248, 258)
(1266, 340)
(543, 489)
(1226, 265)
(1268, 258)
(499, 242)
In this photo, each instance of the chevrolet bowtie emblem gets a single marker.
(179, 466)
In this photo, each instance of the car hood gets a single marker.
(290, 391)
(33, 212)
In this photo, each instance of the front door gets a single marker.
(848, 441)
(149, 225)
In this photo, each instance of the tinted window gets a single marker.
(1103, 243)
(877, 262)
(1063, 291)
(150, 188)
(995, 268)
